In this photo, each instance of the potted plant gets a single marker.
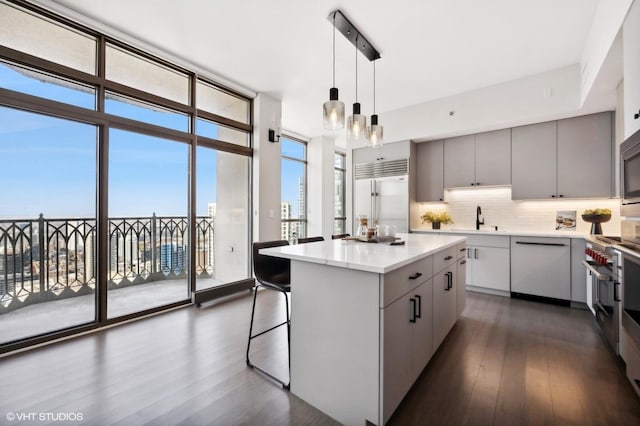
(436, 219)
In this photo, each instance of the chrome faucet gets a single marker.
(479, 218)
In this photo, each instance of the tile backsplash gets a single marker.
(527, 216)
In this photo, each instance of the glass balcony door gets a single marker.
(222, 218)
(148, 223)
(47, 224)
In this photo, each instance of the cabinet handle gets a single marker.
(561, 196)
(475, 253)
(413, 310)
(446, 288)
(472, 184)
(450, 280)
(477, 183)
(636, 116)
(553, 196)
(419, 299)
(448, 258)
(462, 262)
(415, 276)
(616, 291)
(468, 253)
(462, 249)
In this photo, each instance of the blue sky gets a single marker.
(48, 165)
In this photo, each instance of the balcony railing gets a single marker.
(50, 259)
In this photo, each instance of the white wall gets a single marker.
(542, 97)
(320, 187)
(607, 21)
(266, 169)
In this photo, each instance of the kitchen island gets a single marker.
(366, 319)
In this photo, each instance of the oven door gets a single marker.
(631, 296)
(605, 301)
(630, 177)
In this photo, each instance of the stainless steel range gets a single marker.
(630, 248)
(603, 285)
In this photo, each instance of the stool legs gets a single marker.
(253, 336)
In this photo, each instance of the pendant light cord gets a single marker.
(374, 87)
(356, 68)
(334, 49)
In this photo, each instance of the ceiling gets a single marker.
(429, 48)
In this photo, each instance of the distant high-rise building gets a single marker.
(301, 207)
(211, 209)
(285, 227)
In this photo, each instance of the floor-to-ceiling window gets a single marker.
(124, 180)
(293, 188)
(339, 182)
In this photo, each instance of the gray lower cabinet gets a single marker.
(430, 171)
(533, 161)
(541, 266)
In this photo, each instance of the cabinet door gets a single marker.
(533, 161)
(461, 291)
(430, 171)
(541, 266)
(493, 158)
(585, 151)
(491, 267)
(423, 328)
(397, 370)
(631, 59)
(578, 271)
(459, 162)
(365, 155)
(444, 304)
(394, 151)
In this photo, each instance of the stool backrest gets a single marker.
(339, 236)
(270, 268)
(310, 240)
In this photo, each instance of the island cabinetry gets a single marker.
(445, 286)
(461, 292)
(407, 344)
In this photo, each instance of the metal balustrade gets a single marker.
(50, 259)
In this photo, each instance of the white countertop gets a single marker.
(369, 257)
(554, 234)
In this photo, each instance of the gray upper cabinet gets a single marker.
(569, 158)
(533, 161)
(430, 171)
(585, 156)
(478, 160)
(493, 158)
(459, 162)
(390, 151)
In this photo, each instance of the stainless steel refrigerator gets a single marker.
(381, 192)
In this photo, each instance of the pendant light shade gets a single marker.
(357, 123)
(333, 109)
(374, 133)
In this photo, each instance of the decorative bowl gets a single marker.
(596, 218)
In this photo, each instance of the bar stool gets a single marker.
(273, 273)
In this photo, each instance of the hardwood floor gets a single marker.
(506, 362)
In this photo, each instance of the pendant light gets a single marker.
(375, 131)
(357, 123)
(333, 109)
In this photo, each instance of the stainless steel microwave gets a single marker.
(630, 176)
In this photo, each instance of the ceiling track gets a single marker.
(352, 34)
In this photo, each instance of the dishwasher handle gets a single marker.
(531, 243)
(591, 268)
